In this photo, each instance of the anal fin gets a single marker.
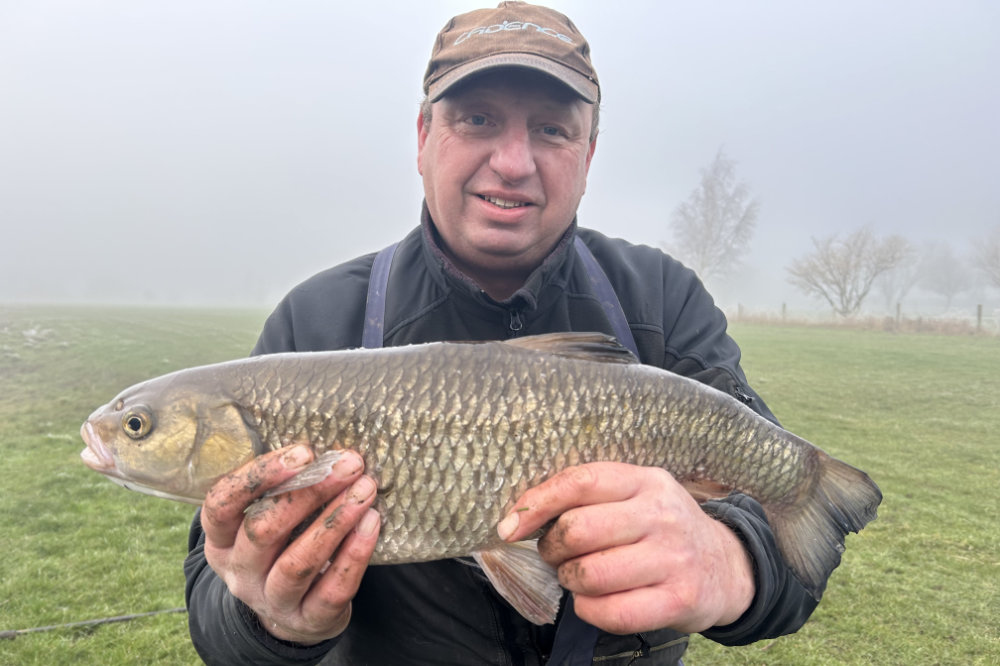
(521, 577)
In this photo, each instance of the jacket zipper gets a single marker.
(515, 323)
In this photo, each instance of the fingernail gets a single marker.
(362, 489)
(507, 526)
(296, 457)
(369, 523)
(346, 465)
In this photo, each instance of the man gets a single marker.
(505, 138)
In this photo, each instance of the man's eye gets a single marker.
(477, 120)
(551, 131)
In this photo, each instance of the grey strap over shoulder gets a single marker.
(605, 293)
(371, 337)
(575, 639)
(374, 330)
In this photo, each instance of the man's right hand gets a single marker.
(296, 596)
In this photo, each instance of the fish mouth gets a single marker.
(96, 456)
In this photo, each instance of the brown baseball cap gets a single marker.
(515, 34)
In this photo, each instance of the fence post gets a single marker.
(979, 318)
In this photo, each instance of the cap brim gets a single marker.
(585, 88)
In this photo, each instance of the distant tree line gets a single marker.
(713, 226)
(843, 270)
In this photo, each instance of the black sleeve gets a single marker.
(780, 605)
(223, 629)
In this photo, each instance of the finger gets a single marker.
(589, 529)
(302, 561)
(592, 483)
(336, 587)
(636, 611)
(614, 570)
(222, 512)
(270, 521)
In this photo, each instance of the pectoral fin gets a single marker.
(521, 577)
(315, 472)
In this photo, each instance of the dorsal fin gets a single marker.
(582, 346)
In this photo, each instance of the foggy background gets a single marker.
(219, 152)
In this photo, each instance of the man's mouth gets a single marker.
(503, 203)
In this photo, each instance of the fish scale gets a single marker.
(455, 433)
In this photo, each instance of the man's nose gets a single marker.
(513, 159)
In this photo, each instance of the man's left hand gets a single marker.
(635, 549)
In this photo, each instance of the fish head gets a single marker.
(168, 437)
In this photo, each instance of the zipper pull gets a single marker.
(515, 324)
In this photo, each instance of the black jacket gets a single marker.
(443, 612)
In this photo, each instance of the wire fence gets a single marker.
(977, 321)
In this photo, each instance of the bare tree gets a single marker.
(986, 256)
(943, 273)
(895, 283)
(713, 227)
(842, 271)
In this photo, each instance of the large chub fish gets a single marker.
(455, 432)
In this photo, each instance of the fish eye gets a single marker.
(137, 423)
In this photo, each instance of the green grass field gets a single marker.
(921, 585)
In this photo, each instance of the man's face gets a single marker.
(504, 163)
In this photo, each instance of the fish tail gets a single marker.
(810, 532)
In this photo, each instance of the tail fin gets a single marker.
(810, 533)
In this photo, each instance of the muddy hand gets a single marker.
(635, 549)
(298, 592)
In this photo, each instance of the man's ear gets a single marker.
(590, 152)
(590, 156)
(422, 128)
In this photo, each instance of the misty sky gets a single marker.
(219, 152)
